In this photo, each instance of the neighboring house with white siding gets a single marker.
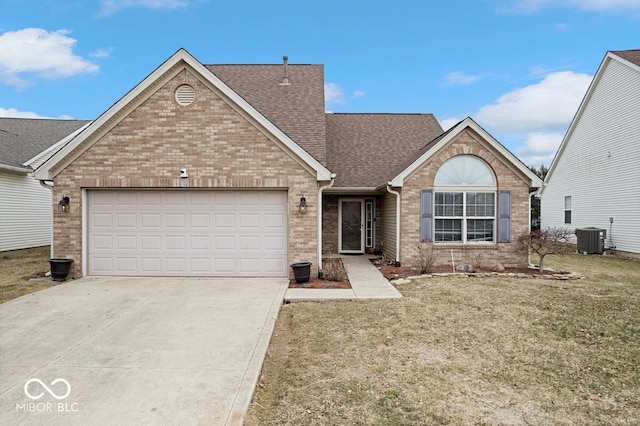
(25, 205)
(594, 179)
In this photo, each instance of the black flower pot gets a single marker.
(301, 271)
(60, 268)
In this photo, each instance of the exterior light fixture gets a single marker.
(63, 205)
(302, 207)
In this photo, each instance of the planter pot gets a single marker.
(60, 268)
(301, 271)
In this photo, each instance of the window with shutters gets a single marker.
(464, 202)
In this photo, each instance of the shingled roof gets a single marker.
(630, 55)
(367, 150)
(296, 108)
(23, 138)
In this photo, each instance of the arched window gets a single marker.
(464, 201)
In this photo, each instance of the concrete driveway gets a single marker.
(154, 351)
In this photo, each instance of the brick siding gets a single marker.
(467, 143)
(146, 145)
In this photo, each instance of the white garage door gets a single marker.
(187, 233)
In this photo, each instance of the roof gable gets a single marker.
(629, 58)
(441, 141)
(366, 150)
(21, 139)
(175, 63)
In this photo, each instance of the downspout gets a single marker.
(531, 195)
(397, 194)
(50, 188)
(319, 215)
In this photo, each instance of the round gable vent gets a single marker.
(185, 95)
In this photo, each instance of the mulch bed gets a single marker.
(392, 272)
(333, 268)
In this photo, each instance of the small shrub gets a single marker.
(476, 262)
(546, 241)
(333, 269)
(425, 257)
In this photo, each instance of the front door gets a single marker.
(351, 214)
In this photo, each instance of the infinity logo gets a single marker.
(52, 393)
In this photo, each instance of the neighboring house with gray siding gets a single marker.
(25, 205)
(594, 179)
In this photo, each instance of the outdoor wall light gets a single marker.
(63, 205)
(302, 207)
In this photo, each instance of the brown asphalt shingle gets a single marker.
(629, 55)
(296, 109)
(367, 150)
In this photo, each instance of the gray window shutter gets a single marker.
(426, 215)
(504, 216)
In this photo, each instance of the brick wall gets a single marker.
(468, 143)
(147, 146)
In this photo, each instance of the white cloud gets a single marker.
(101, 53)
(109, 7)
(448, 123)
(333, 93)
(358, 94)
(539, 148)
(37, 51)
(545, 106)
(530, 6)
(14, 113)
(459, 78)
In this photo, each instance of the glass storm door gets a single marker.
(351, 235)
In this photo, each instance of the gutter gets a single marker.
(50, 188)
(397, 194)
(15, 169)
(319, 215)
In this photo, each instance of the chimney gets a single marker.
(285, 79)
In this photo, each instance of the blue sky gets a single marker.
(520, 68)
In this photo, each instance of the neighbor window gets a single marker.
(567, 209)
(464, 204)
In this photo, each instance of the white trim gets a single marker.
(85, 234)
(534, 180)
(398, 211)
(321, 189)
(583, 105)
(48, 170)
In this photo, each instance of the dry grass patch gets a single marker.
(495, 351)
(18, 267)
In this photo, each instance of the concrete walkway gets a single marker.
(366, 283)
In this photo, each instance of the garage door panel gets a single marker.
(126, 264)
(176, 264)
(151, 220)
(176, 242)
(199, 220)
(151, 242)
(181, 233)
(124, 198)
(175, 220)
(151, 198)
(127, 220)
(200, 242)
(126, 242)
